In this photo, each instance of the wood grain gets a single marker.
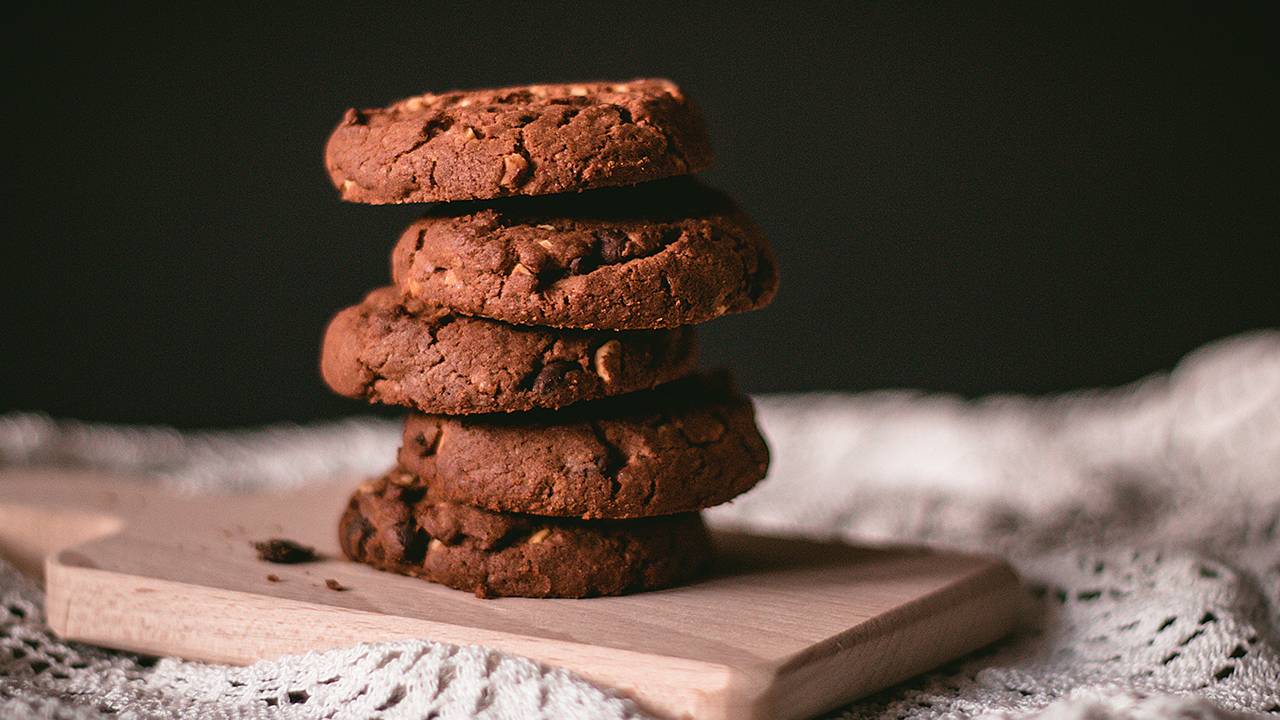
(779, 629)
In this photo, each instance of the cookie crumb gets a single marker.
(273, 578)
(334, 584)
(281, 550)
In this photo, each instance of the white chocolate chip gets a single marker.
(539, 536)
(608, 360)
(513, 169)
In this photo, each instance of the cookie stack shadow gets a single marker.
(539, 326)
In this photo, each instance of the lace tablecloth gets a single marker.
(1145, 521)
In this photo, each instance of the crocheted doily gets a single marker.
(1144, 520)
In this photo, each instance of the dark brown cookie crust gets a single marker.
(422, 356)
(685, 446)
(525, 140)
(393, 526)
(656, 256)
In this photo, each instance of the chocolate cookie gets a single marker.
(423, 356)
(527, 140)
(396, 527)
(685, 446)
(659, 255)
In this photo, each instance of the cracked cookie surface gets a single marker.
(523, 140)
(682, 447)
(664, 254)
(405, 352)
(392, 524)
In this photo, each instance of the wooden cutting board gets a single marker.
(779, 629)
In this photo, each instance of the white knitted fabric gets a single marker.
(1144, 520)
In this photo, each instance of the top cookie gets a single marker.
(660, 255)
(524, 140)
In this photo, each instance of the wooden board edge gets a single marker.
(137, 614)
(30, 533)
(962, 618)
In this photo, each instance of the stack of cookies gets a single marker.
(539, 327)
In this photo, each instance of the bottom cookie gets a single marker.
(391, 525)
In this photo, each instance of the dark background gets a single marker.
(969, 198)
